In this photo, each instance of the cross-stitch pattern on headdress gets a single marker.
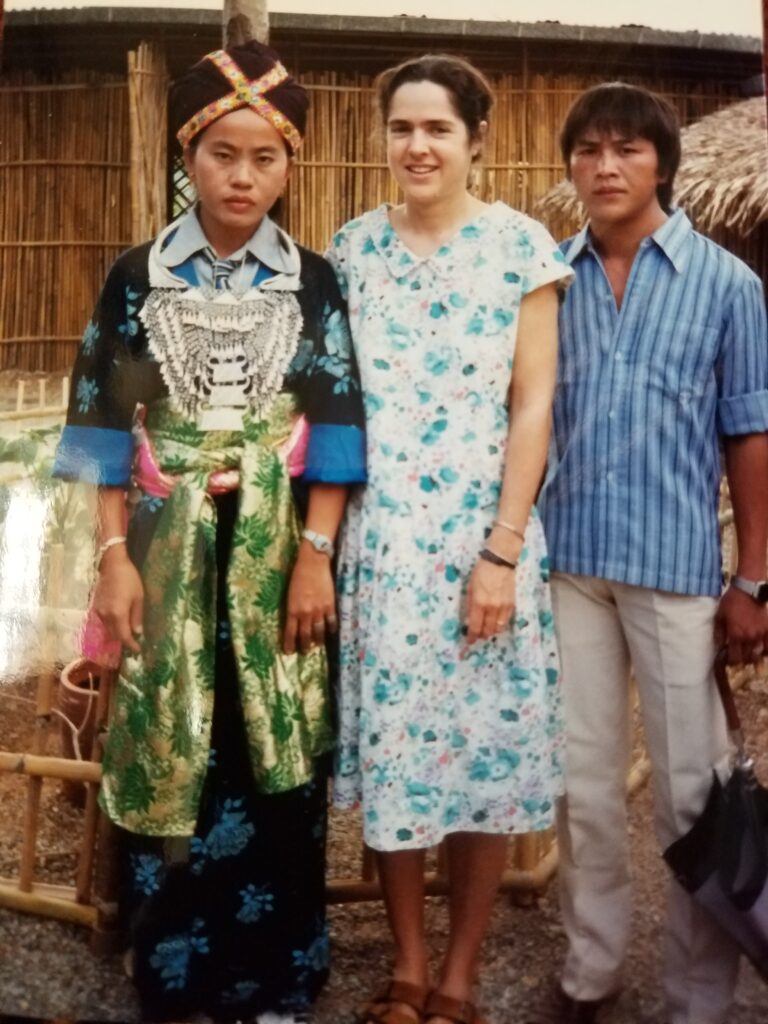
(245, 93)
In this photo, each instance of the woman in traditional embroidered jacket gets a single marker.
(214, 384)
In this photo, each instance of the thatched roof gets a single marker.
(723, 176)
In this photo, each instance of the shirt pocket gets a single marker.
(680, 363)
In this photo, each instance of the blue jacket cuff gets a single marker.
(95, 455)
(335, 455)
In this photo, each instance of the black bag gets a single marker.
(723, 860)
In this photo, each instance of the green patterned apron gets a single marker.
(158, 745)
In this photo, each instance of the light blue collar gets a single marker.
(672, 238)
(265, 245)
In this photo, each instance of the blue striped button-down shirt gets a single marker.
(643, 394)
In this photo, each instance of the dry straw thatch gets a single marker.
(723, 179)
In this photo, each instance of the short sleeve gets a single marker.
(326, 378)
(541, 261)
(96, 444)
(742, 406)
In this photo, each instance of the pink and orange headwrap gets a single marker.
(227, 80)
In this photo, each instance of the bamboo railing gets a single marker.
(41, 406)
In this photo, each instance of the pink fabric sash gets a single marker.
(96, 643)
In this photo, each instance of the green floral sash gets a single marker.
(158, 746)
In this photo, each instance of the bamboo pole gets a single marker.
(107, 937)
(46, 901)
(47, 767)
(90, 824)
(45, 696)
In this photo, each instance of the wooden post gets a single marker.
(244, 20)
(107, 937)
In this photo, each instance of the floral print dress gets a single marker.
(433, 742)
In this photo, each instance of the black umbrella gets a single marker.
(723, 860)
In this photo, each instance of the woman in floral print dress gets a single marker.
(216, 382)
(449, 689)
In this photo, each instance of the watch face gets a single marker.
(762, 593)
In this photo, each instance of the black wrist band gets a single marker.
(490, 556)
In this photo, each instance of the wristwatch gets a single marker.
(758, 589)
(319, 542)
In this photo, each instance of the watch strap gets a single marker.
(757, 589)
(319, 542)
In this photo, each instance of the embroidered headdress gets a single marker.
(245, 76)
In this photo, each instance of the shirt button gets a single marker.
(609, 476)
(618, 357)
(611, 414)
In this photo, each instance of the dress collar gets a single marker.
(401, 262)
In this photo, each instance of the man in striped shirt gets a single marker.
(664, 355)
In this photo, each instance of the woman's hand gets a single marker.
(311, 608)
(118, 598)
(490, 600)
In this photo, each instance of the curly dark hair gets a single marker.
(468, 88)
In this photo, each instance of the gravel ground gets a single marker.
(47, 970)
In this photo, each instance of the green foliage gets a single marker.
(270, 478)
(255, 534)
(270, 596)
(285, 712)
(205, 661)
(140, 716)
(259, 656)
(136, 792)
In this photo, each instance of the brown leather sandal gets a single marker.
(454, 1010)
(382, 1010)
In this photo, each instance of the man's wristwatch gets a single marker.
(758, 589)
(319, 542)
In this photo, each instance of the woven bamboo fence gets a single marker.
(341, 170)
(64, 210)
(72, 148)
(147, 91)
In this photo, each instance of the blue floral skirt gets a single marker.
(231, 922)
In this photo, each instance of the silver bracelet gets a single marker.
(510, 527)
(110, 543)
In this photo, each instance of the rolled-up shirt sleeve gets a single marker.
(742, 406)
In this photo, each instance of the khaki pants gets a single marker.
(603, 626)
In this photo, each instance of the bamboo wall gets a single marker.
(64, 210)
(65, 197)
(342, 169)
